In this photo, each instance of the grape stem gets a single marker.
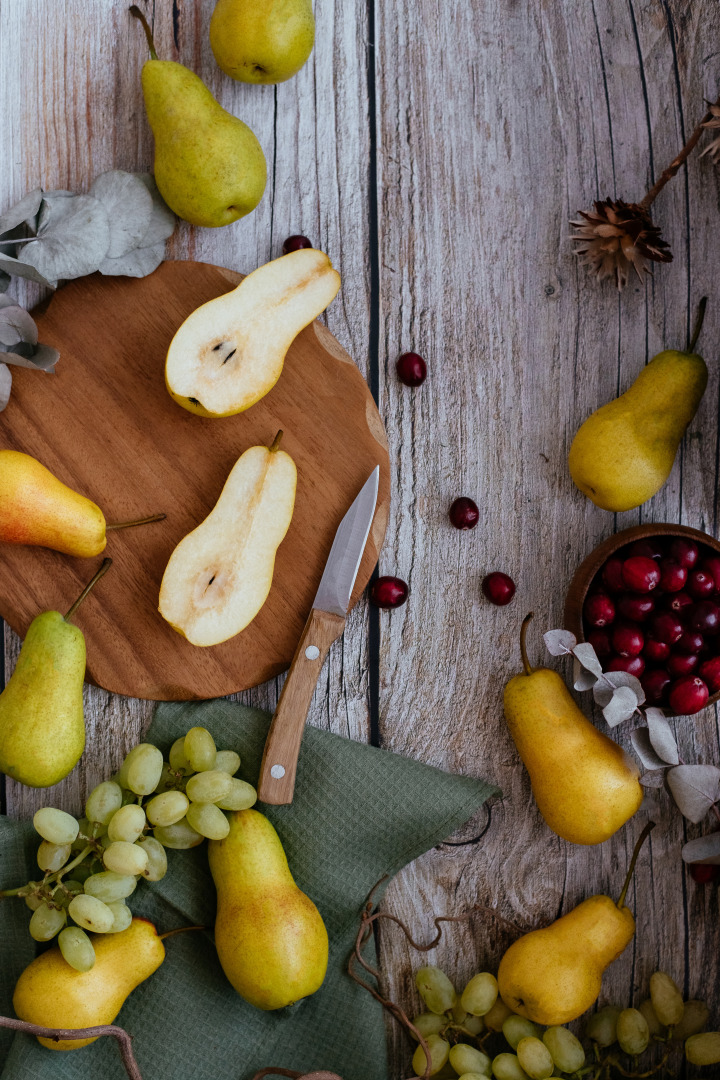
(124, 1040)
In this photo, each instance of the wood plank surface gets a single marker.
(436, 152)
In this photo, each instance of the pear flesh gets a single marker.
(50, 993)
(262, 42)
(230, 352)
(270, 937)
(220, 574)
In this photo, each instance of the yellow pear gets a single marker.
(230, 352)
(262, 41)
(52, 994)
(623, 454)
(586, 787)
(270, 937)
(553, 975)
(220, 574)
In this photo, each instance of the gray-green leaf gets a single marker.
(137, 263)
(40, 358)
(5, 386)
(162, 221)
(129, 207)
(73, 237)
(16, 325)
(24, 270)
(25, 210)
(661, 736)
(705, 849)
(694, 788)
(4, 282)
(640, 738)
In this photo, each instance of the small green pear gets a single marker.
(42, 727)
(262, 41)
(623, 454)
(209, 167)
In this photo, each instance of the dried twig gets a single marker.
(678, 161)
(124, 1040)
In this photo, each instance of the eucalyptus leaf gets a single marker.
(559, 642)
(7, 301)
(5, 385)
(652, 780)
(585, 653)
(73, 237)
(695, 788)
(38, 358)
(128, 205)
(4, 281)
(640, 738)
(137, 263)
(662, 737)
(162, 220)
(25, 210)
(706, 849)
(16, 325)
(611, 680)
(621, 706)
(24, 270)
(582, 678)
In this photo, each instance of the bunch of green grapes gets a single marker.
(92, 865)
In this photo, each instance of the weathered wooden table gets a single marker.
(436, 152)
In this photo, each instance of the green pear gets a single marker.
(262, 41)
(209, 167)
(623, 454)
(42, 727)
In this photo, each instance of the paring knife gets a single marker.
(325, 624)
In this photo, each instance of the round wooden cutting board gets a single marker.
(105, 425)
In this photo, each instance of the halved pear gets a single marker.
(220, 574)
(230, 352)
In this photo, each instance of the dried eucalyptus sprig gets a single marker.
(713, 148)
(19, 345)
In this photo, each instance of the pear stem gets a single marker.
(523, 647)
(138, 14)
(139, 521)
(104, 567)
(276, 442)
(700, 318)
(180, 930)
(636, 851)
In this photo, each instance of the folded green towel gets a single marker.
(359, 813)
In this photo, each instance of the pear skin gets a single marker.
(262, 42)
(52, 994)
(37, 508)
(270, 937)
(623, 454)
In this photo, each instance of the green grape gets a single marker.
(69, 889)
(666, 999)
(199, 749)
(91, 913)
(122, 916)
(109, 886)
(436, 990)
(209, 786)
(76, 948)
(474, 1024)
(632, 1031)
(84, 870)
(83, 832)
(516, 1028)
(535, 1058)
(480, 994)
(167, 808)
(178, 761)
(51, 857)
(102, 802)
(474, 1076)
(55, 826)
(695, 1018)
(602, 1026)
(508, 1067)
(654, 1025)
(179, 836)
(128, 797)
(466, 1059)
(124, 858)
(241, 796)
(34, 901)
(167, 779)
(458, 1013)
(143, 772)
(495, 1018)
(439, 1051)
(429, 1024)
(127, 823)
(157, 859)
(46, 922)
(208, 820)
(703, 1049)
(227, 761)
(567, 1051)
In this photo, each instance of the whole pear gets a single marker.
(585, 785)
(52, 994)
(209, 167)
(623, 454)
(270, 937)
(262, 41)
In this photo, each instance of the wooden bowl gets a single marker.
(589, 567)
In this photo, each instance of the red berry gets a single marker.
(688, 695)
(709, 671)
(677, 602)
(656, 651)
(667, 627)
(411, 369)
(612, 575)
(655, 683)
(700, 584)
(685, 552)
(388, 592)
(635, 608)
(599, 610)
(704, 873)
(600, 641)
(648, 548)
(640, 574)
(682, 664)
(690, 642)
(711, 565)
(295, 243)
(672, 576)
(627, 640)
(464, 513)
(705, 617)
(634, 665)
(498, 588)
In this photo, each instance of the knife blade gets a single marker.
(347, 549)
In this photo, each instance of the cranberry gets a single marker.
(464, 513)
(635, 608)
(600, 641)
(711, 566)
(634, 665)
(656, 651)
(295, 243)
(667, 627)
(599, 610)
(700, 584)
(388, 592)
(690, 642)
(677, 602)
(640, 574)
(704, 873)
(709, 671)
(672, 576)
(649, 549)
(498, 588)
(411, 369)
(682, 664)
(705, 617)
(685, 552)
(612, 575)
(655, 683)
(688, 695)
(627, 640)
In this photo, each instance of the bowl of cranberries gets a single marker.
(648, 601)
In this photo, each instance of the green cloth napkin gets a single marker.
(359, 813)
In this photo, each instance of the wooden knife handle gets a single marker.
(282, 746)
